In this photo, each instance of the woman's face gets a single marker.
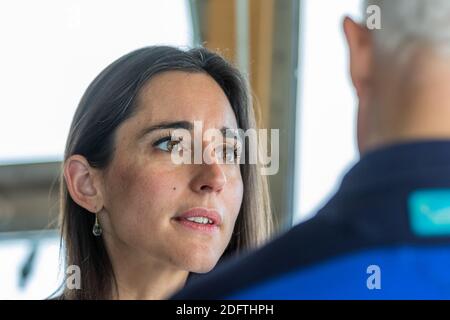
(148, 198)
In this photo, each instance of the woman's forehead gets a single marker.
(183, 96)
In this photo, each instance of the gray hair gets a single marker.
(411, 24)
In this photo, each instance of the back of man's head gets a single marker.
(400, 68)
(411, 24)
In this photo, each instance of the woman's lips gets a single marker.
(200, 219)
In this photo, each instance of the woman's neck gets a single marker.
(142, 277)
(147, 283)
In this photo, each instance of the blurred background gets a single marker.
(292, 51)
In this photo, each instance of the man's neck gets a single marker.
(421, 109)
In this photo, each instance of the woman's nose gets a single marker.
(209, 178)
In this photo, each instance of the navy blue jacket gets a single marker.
(385, 234)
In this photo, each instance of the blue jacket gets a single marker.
(384, 235)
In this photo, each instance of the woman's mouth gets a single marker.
(200, 219)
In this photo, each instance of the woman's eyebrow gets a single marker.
(166, 125)
(226, 131)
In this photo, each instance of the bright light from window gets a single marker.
(52, 50)
(326, 143)
(45, 274)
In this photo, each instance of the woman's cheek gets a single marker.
(236, 195)
(156, 190)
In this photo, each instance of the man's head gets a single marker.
(401, 72)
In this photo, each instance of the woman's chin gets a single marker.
(203, 268)
(201, 264)
(198, 258)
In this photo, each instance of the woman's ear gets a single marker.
(83, 183)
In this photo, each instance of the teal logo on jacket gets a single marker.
(429, 212)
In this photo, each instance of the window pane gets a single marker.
(52, 49)
(326, 136)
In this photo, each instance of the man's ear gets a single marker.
(83, 183)
(359, 40)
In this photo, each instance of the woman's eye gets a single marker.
(167, 144)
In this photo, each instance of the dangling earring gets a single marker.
(97, 229)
